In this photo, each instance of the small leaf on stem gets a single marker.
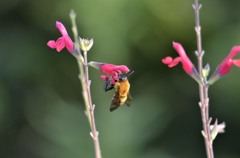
(91, 134)
(196, 53)
(209, 120)
(203, 133)
(214, 130)
(217, 128)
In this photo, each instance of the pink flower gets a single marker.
(64, 41)
(113, 71)
(228, 62)
(110, 71)
(183, 58)
(226, 65)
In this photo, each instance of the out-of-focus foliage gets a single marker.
(41, 107)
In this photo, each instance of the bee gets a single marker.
(121, 94)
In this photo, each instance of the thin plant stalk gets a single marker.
(86, 83)
(203, 86)
(94, 132)
(80, 62)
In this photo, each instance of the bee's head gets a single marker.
(123, 77)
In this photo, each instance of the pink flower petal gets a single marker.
(186, 62)
(179, 48)
(103, 77)
(113, 80)
(69, 43)
(61, 28)
(122, 68)
(236, 62)
(234, 51)
(226, 64)
(174, 62)
(115, 75)
(224, 67)
(167, 60)
(108, 68)
(60, 44)
(51, 44)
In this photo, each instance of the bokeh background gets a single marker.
(41, 106)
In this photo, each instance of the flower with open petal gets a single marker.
(226, 65)
(61, 42)
(183, 58)
(228, 62)
(187, 65)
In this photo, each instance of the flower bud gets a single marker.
(85, 44)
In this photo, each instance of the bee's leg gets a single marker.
(108, 85)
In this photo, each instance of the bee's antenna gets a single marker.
(129, 73)
(124, 77)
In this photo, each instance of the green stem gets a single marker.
(84, 90)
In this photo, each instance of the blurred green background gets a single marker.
(41, 105)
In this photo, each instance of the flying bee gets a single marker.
(121, 87)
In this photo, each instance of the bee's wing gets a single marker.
(129, 99)
(115, 102)
(113, 107)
